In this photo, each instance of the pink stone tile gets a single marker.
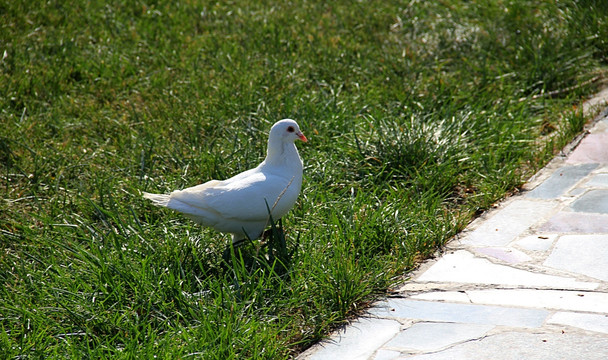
(593, 149)
(511, 256)
(573, 222)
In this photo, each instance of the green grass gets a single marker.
(420, 115)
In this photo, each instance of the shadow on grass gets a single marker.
(270, 255)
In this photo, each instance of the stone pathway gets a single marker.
(527, 280)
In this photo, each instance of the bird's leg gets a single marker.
(233, 248)
(267, 234)
(238, 243)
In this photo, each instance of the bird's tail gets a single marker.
(158, 199)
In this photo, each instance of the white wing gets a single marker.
(239, 199)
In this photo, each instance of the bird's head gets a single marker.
(287, 130)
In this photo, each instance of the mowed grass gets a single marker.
(420, 115)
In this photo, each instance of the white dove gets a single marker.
(239, 205)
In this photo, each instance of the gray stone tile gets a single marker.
(594, 201)
(518, 346)
(459, 313)
(560, 181)
(508, 223)
(359, 340)
(426, 337)
(599, 180)
(590, 322)
(573, 222)
(463, 267)
(583, 254)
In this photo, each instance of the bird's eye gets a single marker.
(291, 129)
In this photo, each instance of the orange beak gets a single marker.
(302, 137)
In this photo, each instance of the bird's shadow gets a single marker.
(270, 253)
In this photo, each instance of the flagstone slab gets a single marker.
(523, 345)
(560, 181)
(508, 223)
(459, 313)
(541, 242)
(426, 337)
(508, 255)
(531, 298)
(383, 354)
(592, 149)
(463, 267)
(583, 254)
(594, 201)
(445, 296)
(590, 322)
(576, 222)
(358, 341)
(599, 180)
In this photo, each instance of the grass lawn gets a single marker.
(419, 115)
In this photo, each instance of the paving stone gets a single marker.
(531, 298)
(583, 254)
(600, 126)
(508, 223)
(546, 299)
(576, 222)
(463, 267)
(445, 296)
(576, 192)
(359, 340)
(426, 337)
(412, 286)
(560, 181)
(591, 322)
(594, 201)
(592, 149)
(383, 354)
(537, 242)
(459, 313)
(599, 180)
(520, 345)
(508, 255)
